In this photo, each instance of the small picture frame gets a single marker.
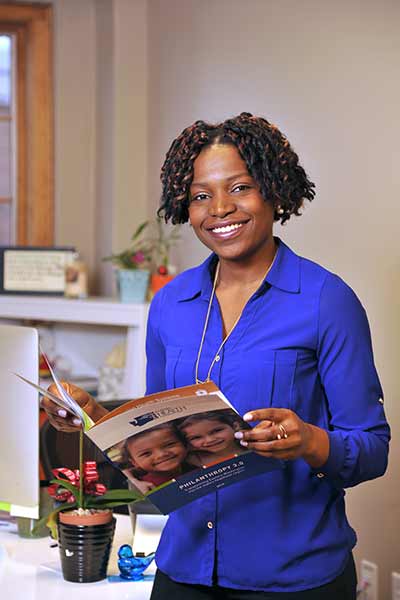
(34, 270)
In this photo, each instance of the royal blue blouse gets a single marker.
(302, 342)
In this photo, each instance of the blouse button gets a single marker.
(380, 400)
(210, 525)
(320, 475)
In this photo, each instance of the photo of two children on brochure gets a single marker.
(167, 451)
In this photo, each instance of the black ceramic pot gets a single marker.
(85, 551)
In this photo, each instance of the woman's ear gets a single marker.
(236, 426)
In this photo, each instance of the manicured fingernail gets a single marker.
(76, 421)
(248, 417)
(62, 413)
(238, 435)
(243, 443)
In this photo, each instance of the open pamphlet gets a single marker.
(173, 446)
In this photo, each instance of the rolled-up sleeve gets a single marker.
(155, 352)
(358, 431)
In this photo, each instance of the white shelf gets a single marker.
(87, 329)
(96, 310)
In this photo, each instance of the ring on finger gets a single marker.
(283, 433)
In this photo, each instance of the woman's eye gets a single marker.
(201, 196)
(240, 188)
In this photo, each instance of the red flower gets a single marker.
(138, 257)
(90, 481)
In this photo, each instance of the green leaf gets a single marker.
(126, 495)
(67, 485)
(109, 504)
(139, 230)
(50, 519)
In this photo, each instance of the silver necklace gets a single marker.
(217, 354)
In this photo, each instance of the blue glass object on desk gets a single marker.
(132, 567)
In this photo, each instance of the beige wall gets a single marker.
(101, 73)
(327, 74)
(121, 107)
(75, 131)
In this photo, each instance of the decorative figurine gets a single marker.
(131, 567)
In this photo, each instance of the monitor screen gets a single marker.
(19, 423)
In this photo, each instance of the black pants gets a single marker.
(342, 588)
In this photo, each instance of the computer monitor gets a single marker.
(19, 421)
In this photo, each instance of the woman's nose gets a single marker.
(221, 205)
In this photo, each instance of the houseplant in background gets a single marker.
(149, 251)
(133, 266)
(164, 238)
(83, 521)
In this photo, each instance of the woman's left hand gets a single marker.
(282, 434)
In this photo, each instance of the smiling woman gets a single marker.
(263, 323)
(281, 360)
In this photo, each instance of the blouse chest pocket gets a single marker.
(179, 367)
(283, 379)
(265, 380)
(260, 380)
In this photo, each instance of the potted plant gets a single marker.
(133, 267)
(163, 240)
(83, 521)
(150, 249)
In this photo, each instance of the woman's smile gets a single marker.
(227, 230)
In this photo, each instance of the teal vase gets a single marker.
(133, 284)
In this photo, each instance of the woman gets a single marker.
(288, 343)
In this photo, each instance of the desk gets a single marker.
(30, 570)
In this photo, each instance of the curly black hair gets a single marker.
(270, 160)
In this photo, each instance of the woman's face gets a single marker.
(157, 451)
(227, 211)
(209, 435)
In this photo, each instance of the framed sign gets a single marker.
(34, 270)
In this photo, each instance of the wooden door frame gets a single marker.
(32, 26)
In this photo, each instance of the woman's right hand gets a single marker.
(65, 421)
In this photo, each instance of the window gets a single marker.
(26, 125)
(6, 150)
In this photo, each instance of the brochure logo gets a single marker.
(141, 420)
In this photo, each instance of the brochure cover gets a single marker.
(174, 446)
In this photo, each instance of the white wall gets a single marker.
(327, 74)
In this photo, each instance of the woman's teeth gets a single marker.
(227, 228)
